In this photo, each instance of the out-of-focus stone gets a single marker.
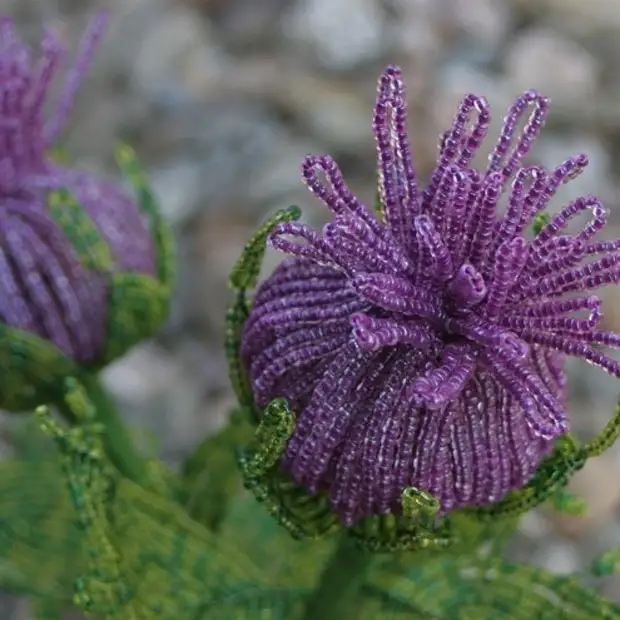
(455, 80)
(560, 558)
(178, 187)
(577, 16)
(597, 485)
(177, 52)
(276, 181)
(217, 148)
(535, 525)
(484, 23)
(245, 24)
(161, 392)
(552, 150)
(342, 34)
(215, 245)
(564, 70)
(416, 29)
(337, 115)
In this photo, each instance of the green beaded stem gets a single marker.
(553, 475)
(246, 271)
(244, 277)
(337, 594)
(115, 436)
(164, 239)
(235, 319)
(606, 438)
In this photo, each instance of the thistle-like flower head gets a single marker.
(66, 236)
(422, 345)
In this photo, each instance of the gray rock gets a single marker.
(562, 69)
(161, 395)
(559, 558)
(551, 150)
(577, 16)
(342, 34)
(177, 53)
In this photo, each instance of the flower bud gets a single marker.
(84, 266)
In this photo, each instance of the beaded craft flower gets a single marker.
(423, 345)
(71, 243)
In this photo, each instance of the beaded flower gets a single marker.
(423, 345)
(71, 243)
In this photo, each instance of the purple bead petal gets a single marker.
(428, 350)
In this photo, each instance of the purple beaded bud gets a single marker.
(424, 347)
(46, 288)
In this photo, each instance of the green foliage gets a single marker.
(607, 564)
(27, 361)
(41, 546)
(451, 586)
(121, 551)
(210, 475)
(145, 557)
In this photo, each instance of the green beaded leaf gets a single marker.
(41, 546)
(244, 276)
(138, 307)
(606, 438)
(287, 562)
(83, 234)
(210, 475)
(31, 370)
(146, 557)
(453, 586)
(246, 271)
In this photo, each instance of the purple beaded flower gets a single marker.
(423, 347)
(46, 288)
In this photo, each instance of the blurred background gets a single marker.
(223, 98)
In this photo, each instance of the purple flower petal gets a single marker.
(428, 350)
